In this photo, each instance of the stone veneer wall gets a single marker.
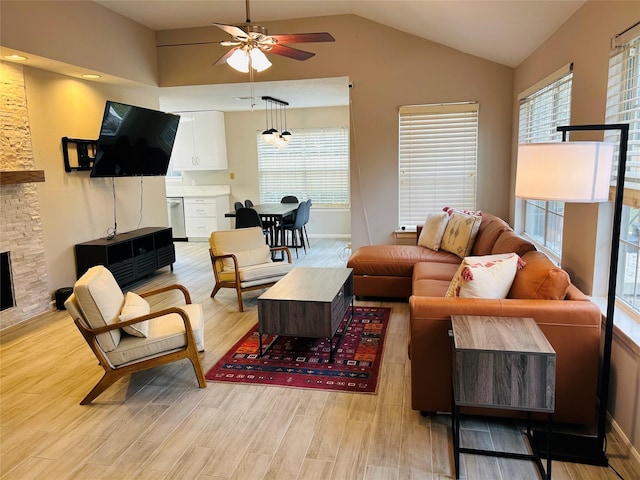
(20, 223)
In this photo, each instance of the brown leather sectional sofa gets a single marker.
(540, 290)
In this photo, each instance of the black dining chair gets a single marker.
(248, 217)
(248, 203)
(237, 205)
(295, 227)
(289, 199)
(307, 213)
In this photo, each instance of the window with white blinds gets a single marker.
(438, 150)
(543, 108)
(315, 165)
(623, 106)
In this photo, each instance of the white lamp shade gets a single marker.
(239, 60)
(573, 172)
(259, 60)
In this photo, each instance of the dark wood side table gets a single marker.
(502, 362)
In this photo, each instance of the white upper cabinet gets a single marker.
(200, 142)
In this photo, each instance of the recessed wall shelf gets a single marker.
(83, 147)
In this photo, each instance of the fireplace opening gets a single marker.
(7, 298)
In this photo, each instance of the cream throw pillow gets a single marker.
(460, 233)
(433, 230)
(135, 306)
(488, 276)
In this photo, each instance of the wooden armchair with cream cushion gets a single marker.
(124, 334)
(241, 259)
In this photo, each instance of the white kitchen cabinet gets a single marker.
(200, 142)
(203, 215)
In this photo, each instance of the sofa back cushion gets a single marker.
(511, 242)
(540, 279)
(490, 229)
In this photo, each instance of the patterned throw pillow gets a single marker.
(433, 230)
(488, 276)
(450, 210)
(460, 233)
(135, 306)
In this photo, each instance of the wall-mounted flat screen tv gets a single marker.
(134, 141)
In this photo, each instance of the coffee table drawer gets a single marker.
(341, 303)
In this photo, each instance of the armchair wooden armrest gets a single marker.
(176, 286)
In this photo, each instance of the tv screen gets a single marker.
(134, 141)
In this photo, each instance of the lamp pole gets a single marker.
(588, 449)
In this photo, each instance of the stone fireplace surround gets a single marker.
(20, 222)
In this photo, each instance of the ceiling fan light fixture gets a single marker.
(239, 60)
(259, 60)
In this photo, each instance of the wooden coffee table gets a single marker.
(307, 302)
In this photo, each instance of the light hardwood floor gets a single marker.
(159, 425)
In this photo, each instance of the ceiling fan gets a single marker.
(250, 41)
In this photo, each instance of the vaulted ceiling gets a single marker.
(503, 31)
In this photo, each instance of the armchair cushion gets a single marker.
(135, 306)
(247, 258)
(101, 301)
(247, 244)
(165, 333)
(259, 273)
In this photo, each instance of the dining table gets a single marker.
(272, 212)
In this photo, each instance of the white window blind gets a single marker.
(623, 106)
(315, 165)
(542, 110)
(438, 147)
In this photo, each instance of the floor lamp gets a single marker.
(579, 172)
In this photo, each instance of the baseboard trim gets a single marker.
(623, 439)
(329, 235)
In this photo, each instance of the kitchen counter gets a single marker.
(187, 191)
(201, 209)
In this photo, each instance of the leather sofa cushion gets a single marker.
(540, 279)
(395, 260)
(432, 279)
(510, 242)
(491, 228)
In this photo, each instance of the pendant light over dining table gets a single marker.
(271, 135)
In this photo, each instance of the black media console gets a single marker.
(130, 256)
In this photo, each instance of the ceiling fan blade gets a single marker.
(304, 37)
(289, 52)
(232, 30)
(224, 57)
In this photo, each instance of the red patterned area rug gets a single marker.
(304, 362)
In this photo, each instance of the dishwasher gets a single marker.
(175, 207)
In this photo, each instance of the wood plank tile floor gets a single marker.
(159, 425)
